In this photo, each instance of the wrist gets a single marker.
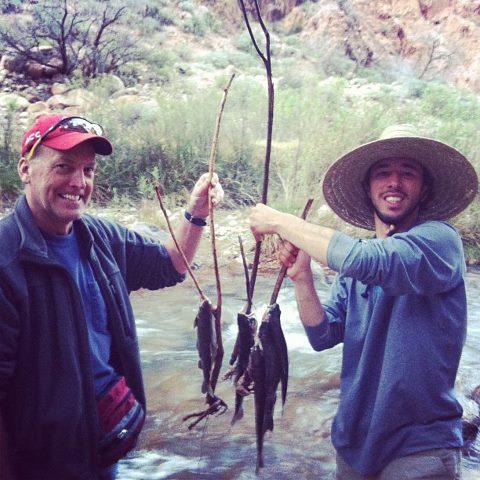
(195, 219)
(200, 211)
(281, 223)
(303, 277)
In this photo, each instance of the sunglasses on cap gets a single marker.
(69, 124)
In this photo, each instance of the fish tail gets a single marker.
(259, 463)
(238, 414)
(284, 391)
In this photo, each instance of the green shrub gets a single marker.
(195, 25)
(222, 59)
(164, 16)
(187, 6)
(315, 122)
(9, 153)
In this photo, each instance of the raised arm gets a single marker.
(312, 239)
(188, 234)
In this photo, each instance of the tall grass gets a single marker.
(168, 136)
(314, 124)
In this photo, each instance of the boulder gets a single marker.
(112, 83)
(125, 91)
(44, 52)
(78, 98)
(58, 88)
(37, 71)
(13, 64)
(38, 108)
(17, 102)
(124, 100)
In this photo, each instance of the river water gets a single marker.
(300, 446)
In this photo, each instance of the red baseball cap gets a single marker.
(64, 138)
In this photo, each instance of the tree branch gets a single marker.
(271, 94)
(250, 32)
(217, 311)
(245, 271)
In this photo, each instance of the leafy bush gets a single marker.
(163, 15)
(222, 59)
(195, 25)
(9, 181)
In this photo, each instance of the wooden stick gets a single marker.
(283, 270)
(271, 94)
(217, 311)
(170, 229)
(250, 32)
(245, 271)
(211, 170)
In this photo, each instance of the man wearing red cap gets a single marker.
(72, 400)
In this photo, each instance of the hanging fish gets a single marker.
(247, 328)
(272, 318)
(272, 376)
(239, 360)
(269, 367)
(208, 339)
(257, 367)
(271, 347)
(206, 343)
(207, 347)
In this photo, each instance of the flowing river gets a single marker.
(300, 446)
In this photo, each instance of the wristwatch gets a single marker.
(198, 221)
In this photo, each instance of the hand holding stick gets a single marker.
(283, 270)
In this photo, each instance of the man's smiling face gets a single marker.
(59, 185)
(396, 190)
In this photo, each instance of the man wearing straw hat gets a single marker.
(398, 304)
(72, 401)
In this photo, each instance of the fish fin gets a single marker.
(267, 424)
(284, 390)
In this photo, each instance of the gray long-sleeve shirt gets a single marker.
(399, 307)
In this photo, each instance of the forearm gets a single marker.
(309, 306)
(320, 333)
(188, 237)
(313, 239)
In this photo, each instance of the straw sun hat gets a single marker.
(454, 181)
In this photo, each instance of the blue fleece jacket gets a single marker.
(399, 307)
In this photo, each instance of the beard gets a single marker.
(396, 219)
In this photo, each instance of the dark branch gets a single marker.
(250, 32)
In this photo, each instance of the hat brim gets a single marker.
(454, 180)
(101, 145)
